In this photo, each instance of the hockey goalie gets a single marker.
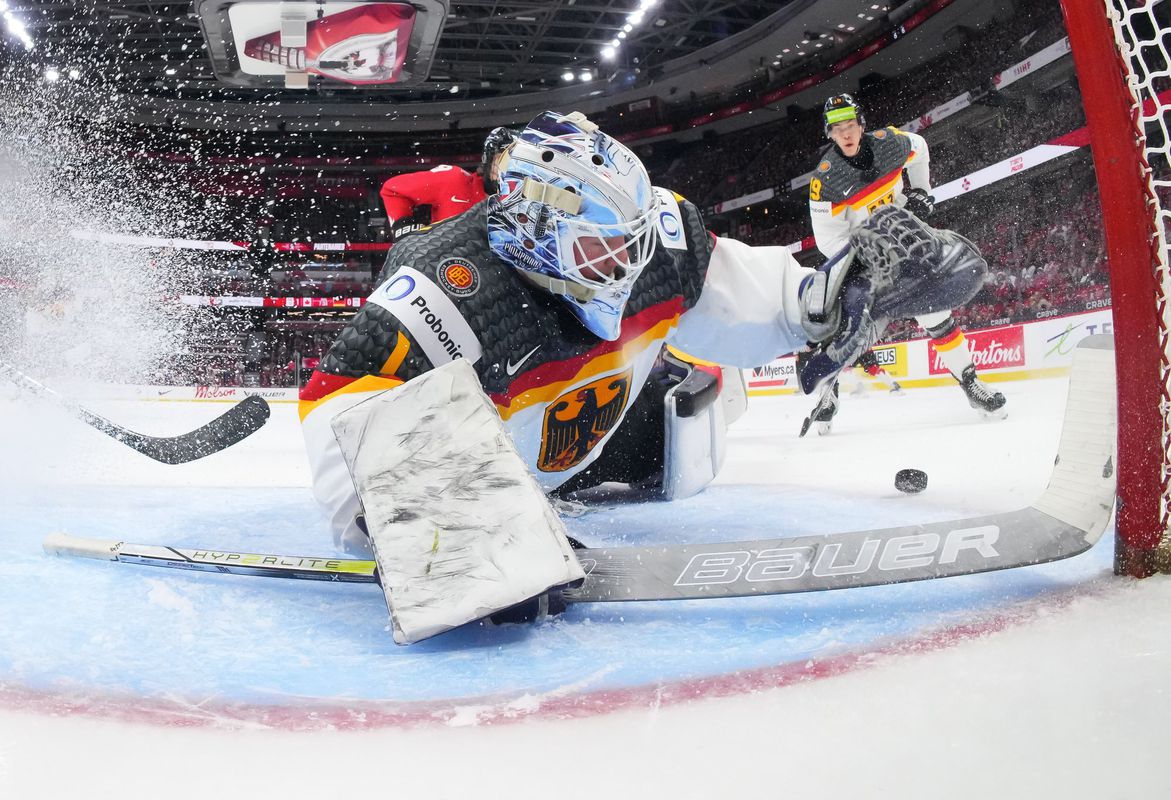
(516, 351)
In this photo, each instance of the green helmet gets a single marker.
(840, 108)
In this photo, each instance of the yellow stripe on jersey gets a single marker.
(605, 363)
(367, 383)
(395, 359)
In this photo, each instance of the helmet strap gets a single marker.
(569, 202)
(582, 294)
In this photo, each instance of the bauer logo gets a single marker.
(433, 321)
(459, 277)
(918, 554)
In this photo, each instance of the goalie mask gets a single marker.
(574, 213)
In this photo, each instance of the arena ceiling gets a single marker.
(490, 52)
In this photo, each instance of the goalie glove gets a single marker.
(896, 267)
(837, 318)
(919, 203)
(915, 269)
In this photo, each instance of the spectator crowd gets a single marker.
(1040, 231)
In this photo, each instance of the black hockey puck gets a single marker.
(911, 481)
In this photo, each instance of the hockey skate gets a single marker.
(823, 413)
(990, 404)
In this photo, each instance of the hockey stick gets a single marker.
(1068, 519)
(692, 572)
(237, 423)
(347, 570)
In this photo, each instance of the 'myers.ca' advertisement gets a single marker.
(781, 373)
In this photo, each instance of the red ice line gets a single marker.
(491, 710)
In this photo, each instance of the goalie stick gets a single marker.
(237, 423)
(1068, 519)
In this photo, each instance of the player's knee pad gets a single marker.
(695, 435)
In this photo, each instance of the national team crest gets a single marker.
(576, 421)
(459, 277)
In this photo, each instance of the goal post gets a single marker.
(1122, 65)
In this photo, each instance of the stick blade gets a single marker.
(233, 426)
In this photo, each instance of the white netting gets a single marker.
(1142, 29)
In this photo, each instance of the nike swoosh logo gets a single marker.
(455, 199)
(511, 368)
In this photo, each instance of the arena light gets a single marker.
(15, 26)
(608, 52)
(586, 75)
(567, 76)
(52, 75)
(74, 74)
(636, 17)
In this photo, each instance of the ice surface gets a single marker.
(1045, 681)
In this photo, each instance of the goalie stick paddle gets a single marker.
(237, 423)
(1068, 519)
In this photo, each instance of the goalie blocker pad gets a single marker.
(459, 526)
(695, 430)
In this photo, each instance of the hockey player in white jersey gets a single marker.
(857, 174)
(554, 298)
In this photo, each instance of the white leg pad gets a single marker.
(459, 526)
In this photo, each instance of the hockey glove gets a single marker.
(420, 217)
(915, 269)
(836, 315)
(919, 203)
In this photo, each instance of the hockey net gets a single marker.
(1121, 53)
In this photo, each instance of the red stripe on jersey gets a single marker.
(322, 384)
(887, 178)
(948, 341)
(555, 371)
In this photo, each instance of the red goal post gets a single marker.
(1122, 61)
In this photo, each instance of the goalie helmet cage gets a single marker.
(1122, 60)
